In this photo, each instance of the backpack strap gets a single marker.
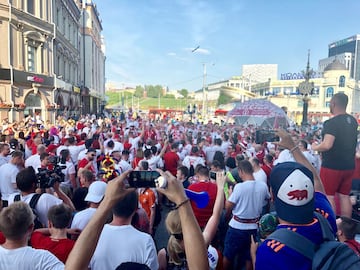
(325, 227)
(294, 241)
(17, 198)
(35, 198)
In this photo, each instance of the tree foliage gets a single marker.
(154, 91)
(139, 91)
(223, 99)
(184, 92)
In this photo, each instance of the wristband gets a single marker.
(182, 203)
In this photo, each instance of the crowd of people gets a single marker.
(65, 189)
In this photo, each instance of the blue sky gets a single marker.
(150, 41)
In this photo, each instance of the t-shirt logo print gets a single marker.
(295, 192)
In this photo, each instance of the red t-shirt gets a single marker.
(59, 247)
(2, 238)
(203, 214)
(171, 162)
(82, 163)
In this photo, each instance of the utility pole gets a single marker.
(204, 86)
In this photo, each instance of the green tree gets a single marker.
(223, 99)
(184, 92)
(139, 91)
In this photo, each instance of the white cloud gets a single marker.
(171, 54)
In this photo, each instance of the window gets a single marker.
(327, 104)
(31, 59)
(30, 6)
(315, 91)
(329, 92)
(342, 81)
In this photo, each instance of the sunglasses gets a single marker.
(178, 236)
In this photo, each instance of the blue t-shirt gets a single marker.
(272, 254)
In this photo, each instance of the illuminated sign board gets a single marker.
(35, 79)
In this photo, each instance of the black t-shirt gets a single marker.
(342, 154)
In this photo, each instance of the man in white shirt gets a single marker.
(34, 160)
(8, 174)
(4, 153)
(95, 195)
(112, 250)
(17, 224)
(259, 174)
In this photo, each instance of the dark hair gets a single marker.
(147, 153)
(154, 149)
(184, 170)
(25, 179)
(219, 156)
(43, 156)
(17, 153)
(245, 166)
(64, 153)
(218, 141)
(256, 161)
(304, 143)
(60, 216)
(203, 170)
(341, 100)
(126, 206)
(230, 162)
(144, 164)
(348, 227)
(269, 158)
(111, 144)
(126, 152)
(71, 140)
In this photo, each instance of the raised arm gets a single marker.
(84, 248)
(288, 143)
(195, 248)
(213, 222)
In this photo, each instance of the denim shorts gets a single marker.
(238, 242)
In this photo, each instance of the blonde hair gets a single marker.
(175, 247)
(15, 220)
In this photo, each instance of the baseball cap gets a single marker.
(96, 192)
(293, 189)
(13, 143)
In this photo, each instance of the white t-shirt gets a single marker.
(260, 175)
(70, 169)
(74, 152)
(193, 160)
(82, 218)
(28, 258)
(43, 205)
(249, 198)
(118, 244)
(33, 161)
(8, 174)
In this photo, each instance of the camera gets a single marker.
(146, 179)
(46, 178)
(212, 175)
(262, 136)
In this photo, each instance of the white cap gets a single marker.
(96, 192)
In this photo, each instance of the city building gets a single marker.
(335, 78)
(346, 51)
(26, 60)
(92, 57)
(52, 59)
(258, 73)
(67, 63)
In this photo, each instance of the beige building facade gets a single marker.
(42, 70)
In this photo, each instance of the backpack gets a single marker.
(35, 198)
(329, 255)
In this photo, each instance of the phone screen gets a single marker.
(139, 179)
(212, 175)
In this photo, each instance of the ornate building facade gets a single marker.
(42, 69)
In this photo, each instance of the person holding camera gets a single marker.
(27, 183)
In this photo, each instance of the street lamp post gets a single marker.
(305, 89)
(191, 111)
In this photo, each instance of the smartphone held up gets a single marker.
(146, 179)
